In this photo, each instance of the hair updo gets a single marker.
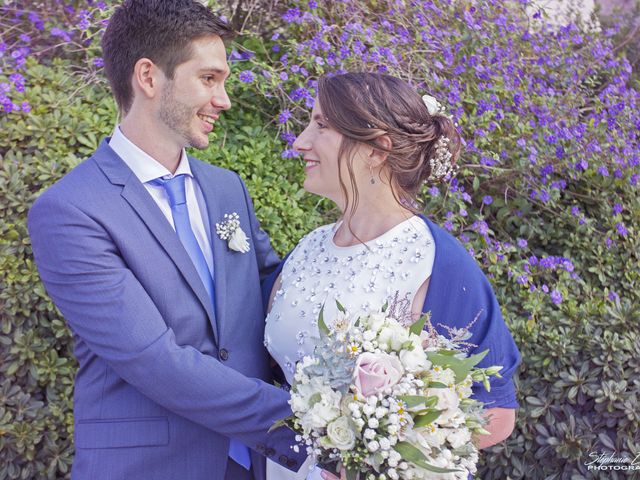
(365, 106)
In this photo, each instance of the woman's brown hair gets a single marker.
(365, 106)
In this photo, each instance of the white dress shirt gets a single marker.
(146, 168)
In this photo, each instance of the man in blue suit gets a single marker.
(164, 307)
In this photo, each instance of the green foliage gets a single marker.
(38, 367)
(579, 382)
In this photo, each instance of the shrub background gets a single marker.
(546, 199)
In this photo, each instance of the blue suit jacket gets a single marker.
(163, 380)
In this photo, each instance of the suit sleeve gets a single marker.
(107, 307)
(268, 259)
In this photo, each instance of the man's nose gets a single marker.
(221, 100)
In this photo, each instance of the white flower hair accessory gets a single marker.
(440, 163)
(432, 105)
(230, 230)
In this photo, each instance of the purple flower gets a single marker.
(289, 153)
(556, 297)
(284, 117)
(602, 170)
(26, 108)
(617, 208)
(98, 62)
(247, 76)
(58, 32)
(434, 191)
(292, 15)
(288, 137)
(544, 287)
(522, 280)
(608, 242)
(448, 225)
(613, 296)
(481, 227)
(487, 200)
(621, 229)
(522, 243)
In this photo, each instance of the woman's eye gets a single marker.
(321, 125)
(208, 78)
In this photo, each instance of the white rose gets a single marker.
(238, 241)
(341, 434)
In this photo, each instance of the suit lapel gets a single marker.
(137, 196)
(215, 197)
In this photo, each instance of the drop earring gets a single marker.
(373, 180)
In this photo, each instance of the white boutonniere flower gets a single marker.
(230, 230)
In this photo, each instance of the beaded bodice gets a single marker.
(361, 277)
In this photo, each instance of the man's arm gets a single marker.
(108, 308)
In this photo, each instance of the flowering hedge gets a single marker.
(546, 198)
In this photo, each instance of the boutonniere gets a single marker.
(230, 230)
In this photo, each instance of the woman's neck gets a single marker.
(369, 222)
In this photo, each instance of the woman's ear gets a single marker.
(377, 157)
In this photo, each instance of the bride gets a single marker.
(370, 145)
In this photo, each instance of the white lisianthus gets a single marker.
(325, 410)
(459, 437)
(393, 335)
(341, 434)
(448, 401)
(446, 376)
(238, 241)
(414, 360)
(375, 321)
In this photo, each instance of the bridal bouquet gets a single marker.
(386, 401)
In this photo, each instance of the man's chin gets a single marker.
(200, 143)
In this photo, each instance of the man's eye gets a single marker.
(208, 78)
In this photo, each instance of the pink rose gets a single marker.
(375, 372)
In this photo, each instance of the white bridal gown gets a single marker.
(362, 278)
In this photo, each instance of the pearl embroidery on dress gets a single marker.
(360, 277)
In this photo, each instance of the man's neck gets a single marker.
(144, 134)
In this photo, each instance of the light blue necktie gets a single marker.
(178, 201)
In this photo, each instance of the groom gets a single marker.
(166, 313)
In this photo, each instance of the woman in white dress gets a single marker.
(371, 144)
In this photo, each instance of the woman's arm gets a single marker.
(501, 424)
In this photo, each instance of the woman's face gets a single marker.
(319, 144)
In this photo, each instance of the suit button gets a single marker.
(291, 463)
(283, 459)
(260, 448)
(269, 452)
(224, 354)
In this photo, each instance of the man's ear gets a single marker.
(146, 78)
(378, 157)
